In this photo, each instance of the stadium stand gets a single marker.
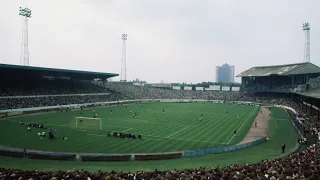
(142, 92)
(28, 81)
(293, 85)
(312, 88)
(43, 101)
(25, 87)
(281, 78)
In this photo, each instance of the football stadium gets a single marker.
(57, 119)
(60, 122)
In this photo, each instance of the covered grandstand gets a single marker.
(27, 86)
(298, 83)
(9, 71)
(280, 78)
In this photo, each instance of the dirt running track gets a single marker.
(262, 128)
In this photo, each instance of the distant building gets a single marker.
(225, 73)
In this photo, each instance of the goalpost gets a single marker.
(87, 122)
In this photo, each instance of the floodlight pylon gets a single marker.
(24, 57)
(123, 75)
(306, 29)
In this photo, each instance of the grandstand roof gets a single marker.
(282, 70)
(9, 71)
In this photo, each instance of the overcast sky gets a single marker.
(169, 40)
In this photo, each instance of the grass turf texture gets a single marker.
(281, 130)
(177, 129)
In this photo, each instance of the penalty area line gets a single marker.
(72, 125)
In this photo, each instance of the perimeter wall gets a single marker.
(32, 154)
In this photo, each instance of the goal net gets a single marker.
(88, 123)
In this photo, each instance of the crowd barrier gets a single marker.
(105, 157)
(51, 156)
(16, 152)
(158, 156)
(202, 152)
(218, 150)
(11, 152)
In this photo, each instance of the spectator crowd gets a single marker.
(24, 87)
(86, 92)
(28, 102)
(301, 165)
(142, 92)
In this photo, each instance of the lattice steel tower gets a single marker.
(24, 57)
(306, 29)
(123, 75)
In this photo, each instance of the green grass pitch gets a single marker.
(177, 129)
(281, 131)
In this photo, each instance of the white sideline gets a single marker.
(242, 124)
(127, 130)
(278, 119)
(178, 132)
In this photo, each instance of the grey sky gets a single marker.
(169, 40)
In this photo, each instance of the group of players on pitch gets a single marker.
(135, 115)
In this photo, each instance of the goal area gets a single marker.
(88, 123)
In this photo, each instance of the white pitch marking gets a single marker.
(278, 119)
(178, 131)
(126, 130)
(71, 125)
(243, 124)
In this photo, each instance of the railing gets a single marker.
(31, 154)
(219, 150)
